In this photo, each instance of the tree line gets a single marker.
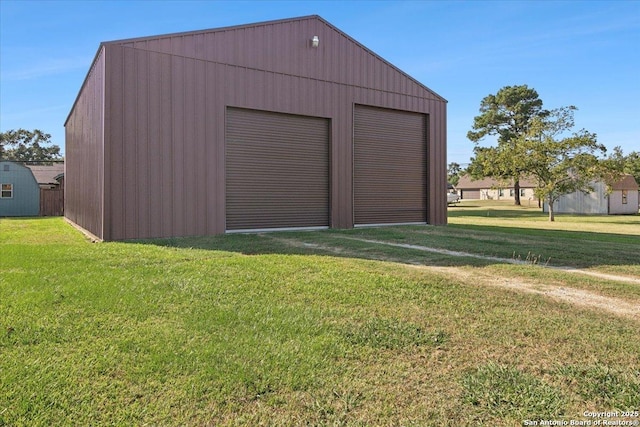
(539, 144)
(28, 146)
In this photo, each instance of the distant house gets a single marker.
(20, 193)
(493, 189)
(31, 190)
(623, 199)
(48, 176)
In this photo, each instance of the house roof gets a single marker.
(47, 174)
(627, 182)
(468, 183)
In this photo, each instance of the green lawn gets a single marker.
(283, 329)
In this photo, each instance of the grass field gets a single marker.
(316, 328)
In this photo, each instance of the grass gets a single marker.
(251, 330)
(507, 391)
(605, 243)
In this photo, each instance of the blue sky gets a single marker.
(582, 53)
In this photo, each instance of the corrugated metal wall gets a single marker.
(284, 47)
(84, 153)
(165, 118)
(595, 202)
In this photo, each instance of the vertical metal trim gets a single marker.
(105, 158)
(428, 149)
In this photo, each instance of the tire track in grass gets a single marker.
(561, 293)
(566, 294)
(498, 259)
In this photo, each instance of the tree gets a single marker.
(632, 165)
(453, 173)
(626, 164)
(561, 165)
(507, 115)
(28, 146)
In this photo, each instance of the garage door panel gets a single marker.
(390, 166)
(277, 168)
(470, 194)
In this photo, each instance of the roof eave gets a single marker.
(272, 22)
(84, 82)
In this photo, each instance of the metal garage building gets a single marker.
(273, 125)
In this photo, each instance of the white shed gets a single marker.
(622, 200)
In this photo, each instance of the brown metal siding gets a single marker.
(84, 153)
(437, 164)
(158, 146)
(165, 119)
(277, 170)
(283, 47)
(390, 166)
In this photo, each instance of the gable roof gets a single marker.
(627, 182)
(275, 46)
(253, 44)
(47, 174)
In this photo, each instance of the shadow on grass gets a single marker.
(555, 247)
(581, 249)
(320, 243)
(527, 211)
(557, 235)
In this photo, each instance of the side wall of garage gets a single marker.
(85, 153)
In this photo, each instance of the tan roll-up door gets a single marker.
(390, 166)
(470, 194)
(277, 170)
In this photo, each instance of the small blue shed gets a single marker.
(19, 190)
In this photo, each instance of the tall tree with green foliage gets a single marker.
(453, 173)
(561, 165)
(508, 115)
(632, 165)
(629, 164)
(28, 146)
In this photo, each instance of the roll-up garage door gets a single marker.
(470, 194)
(277, 170)
(390, 166)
